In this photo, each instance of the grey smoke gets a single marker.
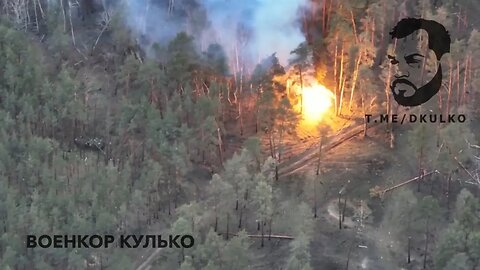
(273, 26)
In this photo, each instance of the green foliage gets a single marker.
(454, 147)
(263, 197)
(399, 212)
(187, 264)
(237, 173)
(304, 219)
(216, 59)
(166, 121)
(252, 144)
(458, 262)
(210, 266)
(459, 246)
(300, 247)
(150, 77)
(121, 35)
(215, 253)
(219, 193)
(120, 261)
(474, 49)
(300, 258)
(207, 253)
(54, 19)
(128, 72)
(60, 41)
(287, 117)
(182, 60)
(421, 141)
(428, 209)
(237, 252)
(302, 55)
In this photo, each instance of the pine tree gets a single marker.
(301, 62)
(219, 190)
(428, 212)
(237, 252)
(263, 199)
(462, 238)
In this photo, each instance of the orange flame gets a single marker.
(317, 101)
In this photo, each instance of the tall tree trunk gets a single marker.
(450, 85)
(365, 127)
(340, 80)
(240, 115)
(389, 102)
(71, 27)
(36, 16)
(240, 218)
(228, 224)
(319, 160)
(426, 243)
(340, 211)
(328, 17)
(387, 84)
(270, 228)
(62, 5)
(262, 226)
(469, 77)
(373, 33)
(465, 72)
(342, 91)
(354, 27)
(171, 6)
(335, 74)
(355, 76)
(458, 84)
(408, 249)
(315, 206)
(364, 109)
(350, 248)
(301, 89)
(271, 144)
(324, 16)
(449, 178)
(424, 48)
(220, 145)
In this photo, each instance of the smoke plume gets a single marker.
(249, 30)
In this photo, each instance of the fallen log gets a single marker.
(408, 181)
(461, 165)
(281, 237)
(467, 171)
(377, 191)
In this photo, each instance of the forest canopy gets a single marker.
(242, 124)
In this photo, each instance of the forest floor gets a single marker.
(357, 164)
(361, 162)
(351, 161)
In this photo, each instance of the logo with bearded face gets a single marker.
(412, 85)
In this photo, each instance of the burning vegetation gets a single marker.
(312, 100)
(240, 123)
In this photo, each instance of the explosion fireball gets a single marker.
(317, 100)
